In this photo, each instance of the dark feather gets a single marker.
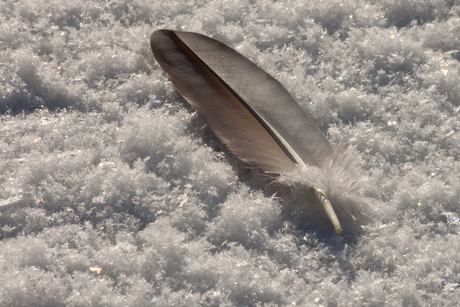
(250, 111)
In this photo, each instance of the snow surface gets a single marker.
(115, 193)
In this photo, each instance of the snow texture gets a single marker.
(114, 192)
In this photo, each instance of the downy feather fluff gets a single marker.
(259, 121)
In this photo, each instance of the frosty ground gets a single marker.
(113, 192)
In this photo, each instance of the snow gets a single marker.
(113, 191)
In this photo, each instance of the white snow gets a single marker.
(113, 191)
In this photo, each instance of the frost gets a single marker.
(113, 192)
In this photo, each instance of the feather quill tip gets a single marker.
(328, 209)
(335, 189)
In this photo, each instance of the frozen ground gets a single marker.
(114, 192)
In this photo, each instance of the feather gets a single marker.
(250, 111)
